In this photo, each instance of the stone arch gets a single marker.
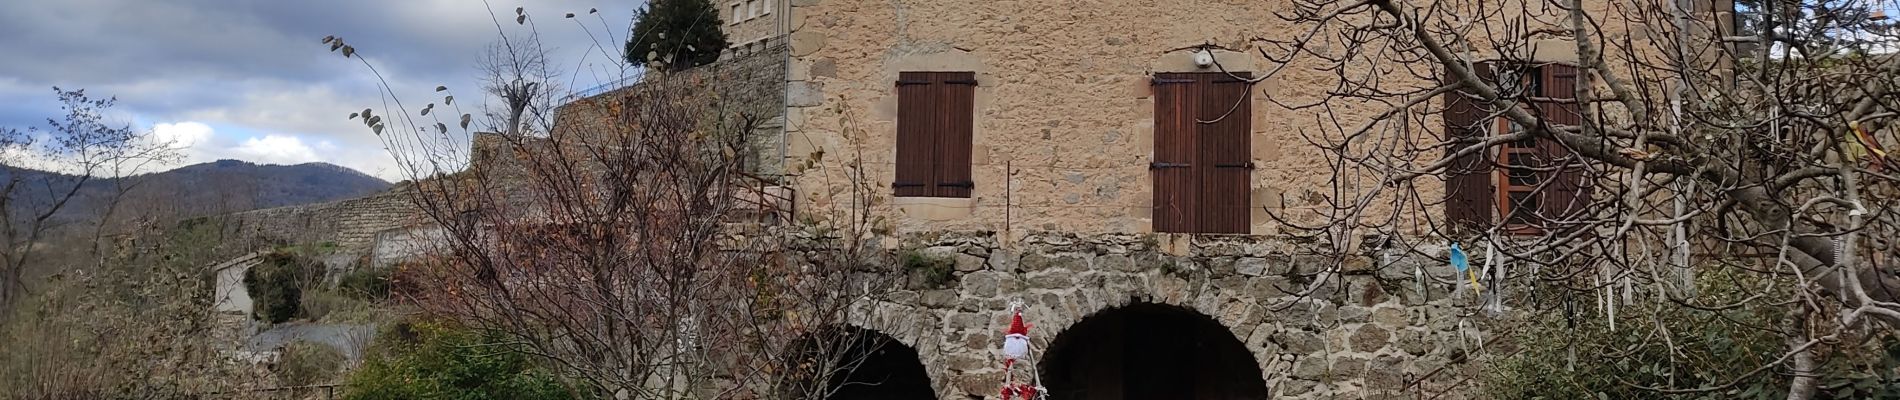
(856, 364)
(1147, 351)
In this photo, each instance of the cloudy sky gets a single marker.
(249, 80)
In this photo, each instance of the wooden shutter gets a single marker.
(1175, 181)
(935, 112)
(1202, 172)
(1468, 189)
(1225, 159)
(955, 112)
(1566, 193)
(916, 135)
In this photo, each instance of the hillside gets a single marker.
(196, 190)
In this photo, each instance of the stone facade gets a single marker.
(743, 84)
(1064, 107)
(751, 24)
(1371, 330)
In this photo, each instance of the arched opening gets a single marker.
(852, 363)
(1150, 351)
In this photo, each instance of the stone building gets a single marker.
(1051, 150)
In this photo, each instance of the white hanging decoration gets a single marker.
(1016, 347)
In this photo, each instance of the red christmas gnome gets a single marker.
(1016, 347)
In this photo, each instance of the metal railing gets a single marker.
(632, 77)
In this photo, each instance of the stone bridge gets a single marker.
(1137, 316)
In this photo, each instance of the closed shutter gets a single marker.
(1175, 183)
(1202, 172)
(1566, 194)
(916, 135)
(1469, 193)
(1225, 158)
(935, 113)
(956, 112)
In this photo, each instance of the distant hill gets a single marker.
(211, 188)
(266, 186)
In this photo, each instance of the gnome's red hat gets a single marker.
(1016, 325)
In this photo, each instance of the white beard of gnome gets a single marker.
(1016, 341)
(1016, 347)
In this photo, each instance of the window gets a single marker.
(738, 14)
(757, 6)
(1201, 170)
(934, 123)
(767, 9)
(1528, 183)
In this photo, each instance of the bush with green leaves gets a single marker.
(276, 284)
(438, 360)
(367, 283)
(1709, 352)
(928, 271)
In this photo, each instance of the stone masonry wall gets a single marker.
(751, 83)
(352, 223)
(1370, 333)
(1064, 110)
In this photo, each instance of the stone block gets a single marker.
(1354, 314)
(1387, 374)
(981, 284)
(1370, 338)
(1414, 342)
(938, 298)
(1298, 341)
(968, 322)
(1348, 366)
(959, 362)
(1170, 290)
(804, 94)
(1252, 266)
(1309, 368)
(1004, 260)
(1390, 317)
(1052, 280)
(1117, 263)
(824, 68)
(806, 42)
(1033, 261)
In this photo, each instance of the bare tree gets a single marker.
(80, 148)
(1670, 145)
(515, 71)
(629, 247)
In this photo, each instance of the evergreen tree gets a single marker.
(674, 35)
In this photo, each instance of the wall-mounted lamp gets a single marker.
(1203, 58)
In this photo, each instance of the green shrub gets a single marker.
(304, 363)
(442, 361)
(927, 271)
(367, 283)
(276, 285)
(1706, 348)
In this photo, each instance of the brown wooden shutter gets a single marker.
(1225, 159)
(1566, 194)
(1176, 98)
(954, 94)
(935, 114)
(1469, 194)
(916, 135)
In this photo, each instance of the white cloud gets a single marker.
(182, 135)
(275, 149)
(198, 142)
